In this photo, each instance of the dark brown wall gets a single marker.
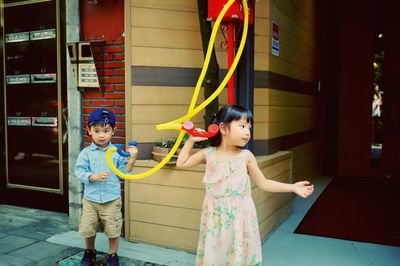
(391, 83)
(348, 30)
(356, 79)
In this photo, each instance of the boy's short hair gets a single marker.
(101, 115)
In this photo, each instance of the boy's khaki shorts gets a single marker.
(108, 215)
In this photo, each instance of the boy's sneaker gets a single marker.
(113, 260)
(89, 258)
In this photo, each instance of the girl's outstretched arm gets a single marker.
(302, 188)
(185, 160)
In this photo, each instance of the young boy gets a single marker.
(102, 189)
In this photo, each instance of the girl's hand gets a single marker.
(303, 188)
(99, 177)
(197, 139)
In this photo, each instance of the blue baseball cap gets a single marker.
(101, 115)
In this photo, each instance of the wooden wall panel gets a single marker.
(166, 34)
(165, 209)
(166, 57)
(269, 224)
(262, 27)
(156, 28)
(167, 176)
(306, 160)
(188, 5)
(152, 17)
(291, 69)
(163, 95)
(268, 207)
(280, 97)
(297, 58)
(167, 196)
(261, 97)
(161, 235)
(167, 38)
(177, 57)
(165, 215)
(269, 114)
(279, 113)
(158, 114)
(184, 39)
(262, 9)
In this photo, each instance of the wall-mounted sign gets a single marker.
(44, 78)
(18, 121)
(44, 121)
(88, 75)
(82, 64)
(275, 39)
(43, 34)
(18, 79)
(17, 37)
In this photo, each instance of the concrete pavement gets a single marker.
(35, 237)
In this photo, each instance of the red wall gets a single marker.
(101, 19)
(103, 25)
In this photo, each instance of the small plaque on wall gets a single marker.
(87, 76)
(18, 121)
(18, 79)
(44, 78)
(43, 34)
(17, 37)
(275, 45)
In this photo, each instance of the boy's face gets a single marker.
(101, 134)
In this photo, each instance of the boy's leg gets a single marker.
(111, 218)
(114, 243)
(89, 223)
(89, 242)
(87, 229)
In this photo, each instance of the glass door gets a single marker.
(35, 114)
(385, 141)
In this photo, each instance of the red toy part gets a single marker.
(188, 126)
(234, 13)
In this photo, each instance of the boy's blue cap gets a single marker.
(101, 115)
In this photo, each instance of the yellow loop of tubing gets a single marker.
(176, 124)
(170, 125)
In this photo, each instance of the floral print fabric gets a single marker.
(229, 233)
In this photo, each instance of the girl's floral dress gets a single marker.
(229, 233)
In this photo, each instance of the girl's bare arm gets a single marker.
(185, 160)
(302, 188)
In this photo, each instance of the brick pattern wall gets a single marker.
(109, 58)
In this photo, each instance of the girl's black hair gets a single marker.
(226, 115)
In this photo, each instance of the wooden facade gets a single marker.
(164, 209)
(163, 58)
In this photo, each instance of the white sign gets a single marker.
(87, 75)
(275, 39)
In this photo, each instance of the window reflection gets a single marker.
(377, 103)
(377, 123)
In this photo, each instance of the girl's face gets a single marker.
(101, 135)
(238, 132)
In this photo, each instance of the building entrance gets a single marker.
(33, 114)
(362, 95)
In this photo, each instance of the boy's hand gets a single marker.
(303, 188)
(99, 177)
(133, 152)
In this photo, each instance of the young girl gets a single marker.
(229, 233)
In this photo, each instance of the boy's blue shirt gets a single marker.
(91, 160)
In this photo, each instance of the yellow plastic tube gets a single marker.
(192, 111)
